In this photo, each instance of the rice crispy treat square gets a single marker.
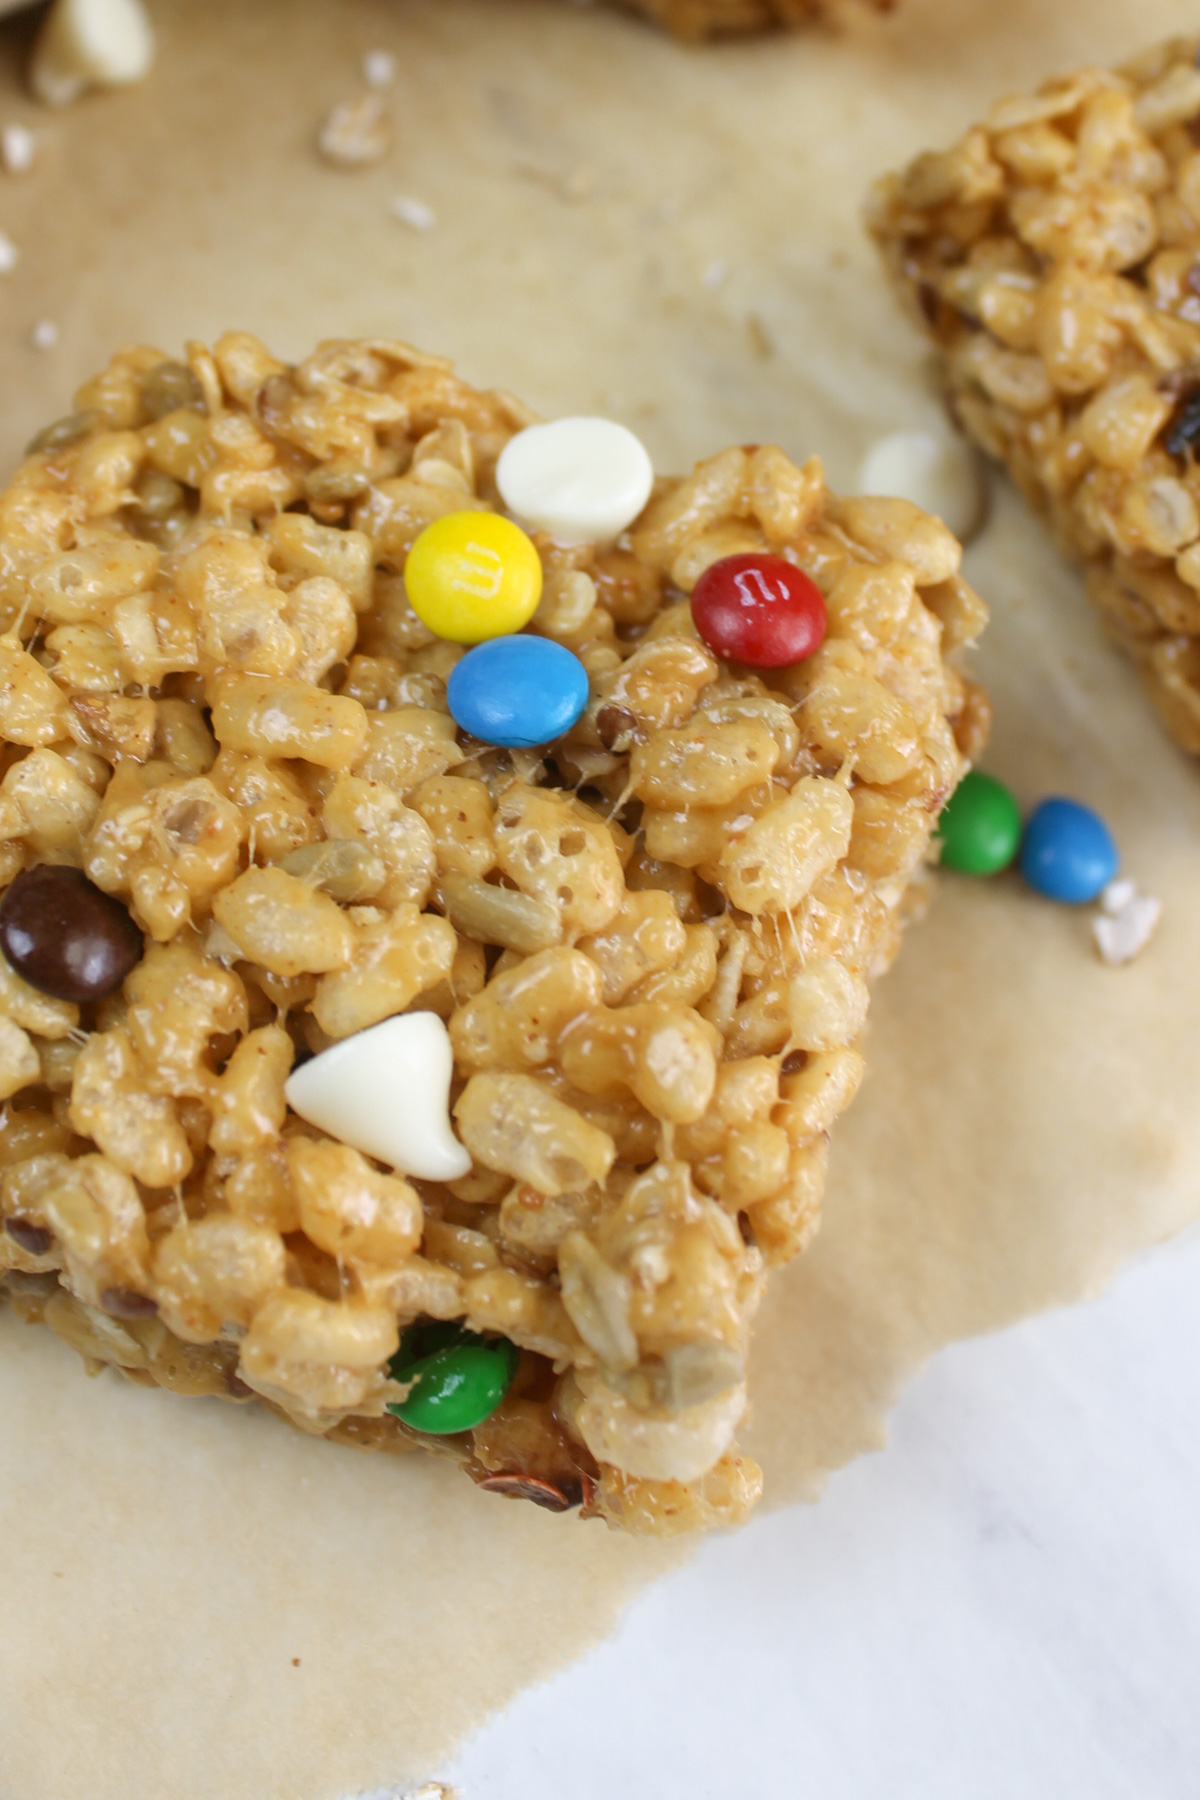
(1053, 255)
(650, 940)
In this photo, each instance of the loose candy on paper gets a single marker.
(386, 1091)
(1067, 849)
(1068, 852)
(980, 830)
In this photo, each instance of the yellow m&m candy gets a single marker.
(473, 576)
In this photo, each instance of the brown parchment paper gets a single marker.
(193, 1601)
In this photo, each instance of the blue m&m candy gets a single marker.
(1068, 853)
(517, 691)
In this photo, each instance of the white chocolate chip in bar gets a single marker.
(386, 1091)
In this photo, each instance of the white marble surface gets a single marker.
(1005, 1603)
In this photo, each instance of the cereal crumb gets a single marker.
(295, 1662)
(1117, 895)
(429, 1790)
(580, 183)
(761, 342)
(356, 132)
(413, 212)
(9, 254)
(572, 185)
(716, 274)
(17, 148)
(90, 43)
(379, 68)
(44, 335)
(1126, 923)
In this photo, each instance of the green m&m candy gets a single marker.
(458, 1378)
(981, 826)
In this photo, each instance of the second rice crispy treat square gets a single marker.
(1053, 255)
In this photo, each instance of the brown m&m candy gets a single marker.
(65, 936)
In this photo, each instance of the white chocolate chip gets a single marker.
(44, 335)
(9, 254)
(379, 68)
(582, 480)
(356, 133)
(386, 1091)
(716, 274)
(414, 213)
(17, 148)
(1126, 923)
(90, 43)
(935, 471)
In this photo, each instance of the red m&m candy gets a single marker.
(759, 610)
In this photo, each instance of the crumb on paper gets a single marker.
(716, 274)
(44, 335)
(18, 147)
(9, 254)
(569, 184)
(430, 1790)
(1126, 922)
(379, 68)
(355, 133)
(1117, 895)
(90, 43)
(413, 212)
(761, 341)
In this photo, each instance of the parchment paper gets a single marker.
(193, 1601)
